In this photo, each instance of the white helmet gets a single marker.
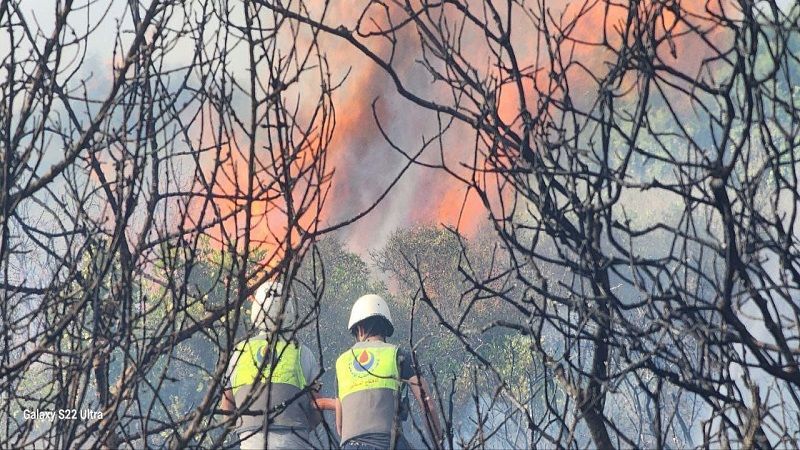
(266, 311)
(368, 306)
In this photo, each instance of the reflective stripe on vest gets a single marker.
(281, 384)
(369, 383)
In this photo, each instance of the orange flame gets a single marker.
(363, 162)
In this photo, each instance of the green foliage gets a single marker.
(329, 280)
(516, 362)
(445, 262)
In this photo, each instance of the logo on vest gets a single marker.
(364, 361)
(261, 355)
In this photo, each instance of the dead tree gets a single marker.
(638, 162)
(158, 163)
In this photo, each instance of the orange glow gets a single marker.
(596, 33)
(457, 207)
(236, 193)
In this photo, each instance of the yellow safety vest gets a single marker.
(363, 368)
(252, 354)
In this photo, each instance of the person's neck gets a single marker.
(374, 339)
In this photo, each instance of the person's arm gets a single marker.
(315, 414)
(227, 404)
(338, 408)
(421, 391)
(324, 403)
(311, 370)
(319, 404)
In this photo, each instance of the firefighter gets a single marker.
(372, 377)
(264, 378)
